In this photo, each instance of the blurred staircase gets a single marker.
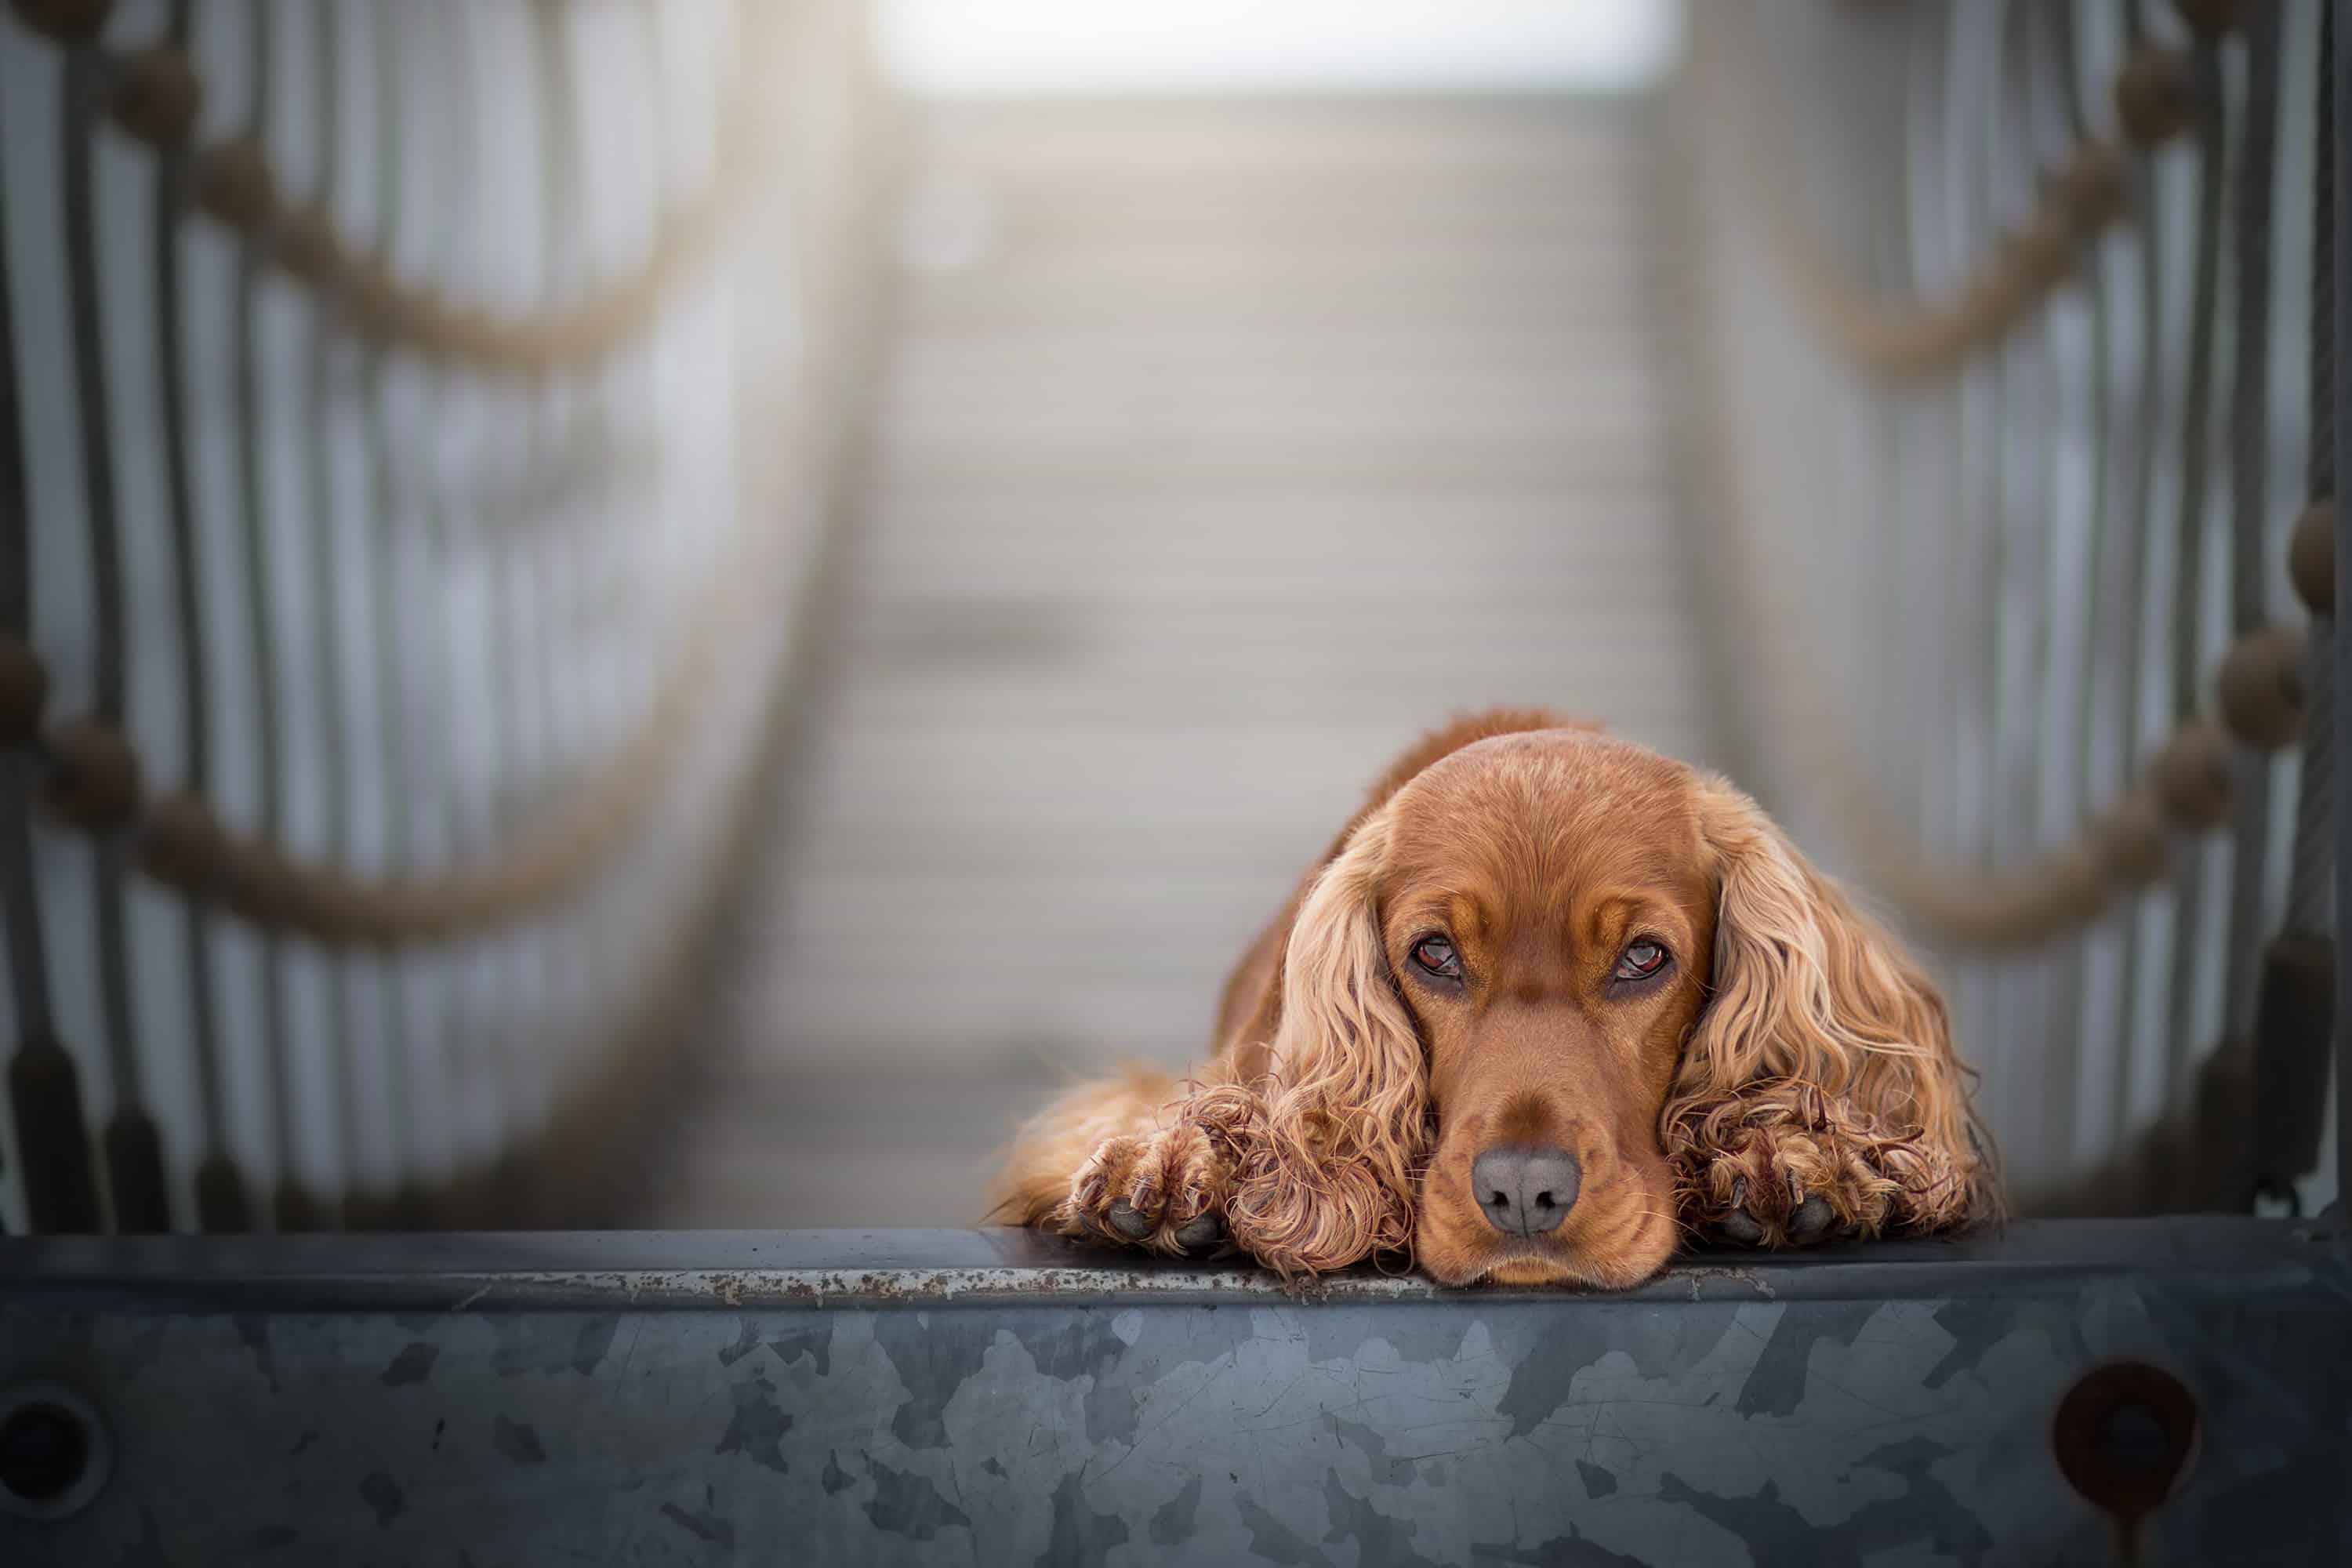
(1223, 447)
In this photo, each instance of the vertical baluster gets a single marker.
(582, 437)
(2331, 280)
(334, 637)
(2020, 412)
(2103, 722)
(2065, 349)
(393, 634)
(2293, 998)
(1945, 239)
(1972, 108)
(2250, 438)
(433, 826)
(472, 698)
(413, 609)
(2193, 441)
(293, 1206)
(59, 1185)
(514, 774)
(1912, 456)
(2142, 962)
(222, 1202)
(517, 537)
(133, 1149)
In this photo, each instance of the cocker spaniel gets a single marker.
(1550, 1002)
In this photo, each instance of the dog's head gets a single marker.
(1517, 968)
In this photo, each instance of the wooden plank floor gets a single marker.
(1257, 439)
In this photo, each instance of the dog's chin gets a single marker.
(1535, 1268)
(1450, 1262)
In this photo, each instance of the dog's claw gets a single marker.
(1812, 1219)
(1203, 1231)
(1128, 1220)
(1738, 1223)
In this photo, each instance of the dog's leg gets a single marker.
(1783, 1164)
(1120, 1160)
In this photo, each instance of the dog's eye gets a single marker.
(1642, 959)
(1436, 955)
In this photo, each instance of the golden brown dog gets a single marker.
(1550, 1001)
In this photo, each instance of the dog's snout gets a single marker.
(1525, 1189)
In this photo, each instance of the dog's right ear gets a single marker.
(1338, 1134)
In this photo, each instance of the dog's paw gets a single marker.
(1784, 1166)
(1163, 1191)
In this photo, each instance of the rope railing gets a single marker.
(1906, 339)
(2178, 608)
(155, 95)
(93, 780)
(1898, 338)
(437, 793)
(2189, 786)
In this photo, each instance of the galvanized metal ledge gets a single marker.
(2243, 1258)
(950, 1397)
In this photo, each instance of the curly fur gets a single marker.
(1333, 1137)
(1823, 1043)
(1810, 1057)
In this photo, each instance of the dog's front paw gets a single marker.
(1163, 1191)
(1783, 1165)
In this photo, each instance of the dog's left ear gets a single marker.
(1819, 1024)
(1332, 1145)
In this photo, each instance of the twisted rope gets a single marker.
(2261, 697)
(155, 94)
(93, 776)
(93, 782)
(1904, 338)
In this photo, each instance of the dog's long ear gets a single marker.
(1823, 1033)
(1338, 1133)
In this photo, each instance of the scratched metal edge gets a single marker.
(2243, 1258)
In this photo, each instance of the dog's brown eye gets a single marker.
(1436, 955)
(1641, 961)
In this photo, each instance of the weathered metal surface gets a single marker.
(984, 1396)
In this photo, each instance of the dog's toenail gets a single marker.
(1740, 1226)
(1128, 1220)
(1812, 1219)
(1205, 1231)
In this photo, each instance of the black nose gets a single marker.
(1526, 1190)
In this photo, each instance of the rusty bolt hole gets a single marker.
(2123, 1437)
(53, 1452)
(44, 1450)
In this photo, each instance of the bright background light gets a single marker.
(997, 48)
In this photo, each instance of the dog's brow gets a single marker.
(1614, 914)
(1468, 912)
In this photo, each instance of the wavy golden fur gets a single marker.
(1780, 1072)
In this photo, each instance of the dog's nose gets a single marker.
(1526, 1189)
